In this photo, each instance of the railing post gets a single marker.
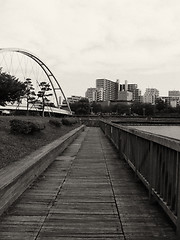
(178, 199)
(120, 144)
(150, 170)
(136, 157)
(105, 129)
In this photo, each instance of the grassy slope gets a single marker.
(13, 147)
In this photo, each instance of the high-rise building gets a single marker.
(128, 86)
(150, 95)
(107, 90)
(91, 94)
(99, 94)
(133, 88)
(137, 95)
(95, 94)
(110, 89)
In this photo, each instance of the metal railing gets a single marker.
(155, 160)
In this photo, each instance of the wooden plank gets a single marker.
(16, 178)
(96, 198)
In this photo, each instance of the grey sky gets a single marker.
(81, 40)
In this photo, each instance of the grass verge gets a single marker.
(16, 146)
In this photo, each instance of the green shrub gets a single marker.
(55, 123)
(24, 127)
(69, 121)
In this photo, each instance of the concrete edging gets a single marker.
(16, 177)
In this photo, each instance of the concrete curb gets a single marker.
(16, 178)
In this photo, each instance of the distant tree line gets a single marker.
(83, 107)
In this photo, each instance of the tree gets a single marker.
(29, 93)
(43, 95)
(149, 109)
(106, 109)
(144, 109)
(11, 89)
(82, 107)
(122, 108)
(96, 107)
(160, 105)
(137, 108)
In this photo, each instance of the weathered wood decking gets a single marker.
(86, 193)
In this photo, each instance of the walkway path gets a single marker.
(87, 193)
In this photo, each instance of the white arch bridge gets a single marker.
(24, 65)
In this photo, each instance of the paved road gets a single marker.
(87, 193)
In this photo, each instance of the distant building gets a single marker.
(91, 94)
(125, 96)
(171, 101)
(165, 100)
(124, 89)
(72, 99)
(141, 99)
(174, 98)
(174, 93)
(110, 89)
(137, 95)
(128, 87)
(99, 94)
(107, 90)
(150, 95)
(95, 94)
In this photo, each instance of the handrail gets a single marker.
(168, 142)
(155, 161)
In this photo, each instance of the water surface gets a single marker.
(168, 131)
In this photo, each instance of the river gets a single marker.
(167, 131)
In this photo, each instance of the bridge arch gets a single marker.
(50, 76)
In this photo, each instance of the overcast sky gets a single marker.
(81, 40)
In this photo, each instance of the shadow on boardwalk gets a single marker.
(86, 193)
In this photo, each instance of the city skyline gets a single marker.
(133, 83)
(81, 40)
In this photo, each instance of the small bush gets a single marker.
(24, 127)
(69, 121)
(55, 123)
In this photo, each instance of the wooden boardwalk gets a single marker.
(87, 193)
